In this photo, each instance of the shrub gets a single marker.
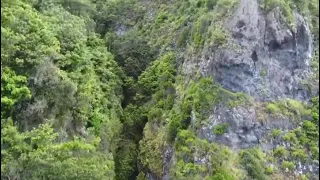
(199, 31)
(315, 110)
(133, 53)
(203, 95)
(290, 137)
(183, 36)
(220, 129)
(222, 174)
(304, 176)
(211, 4)
(269, 170)
(238, 99)
(275, 133)
(158, 76)
(154, 114)
(288, 165)
(219, 37)
(180, 120)
(151, 148)
(174, 126)
(126, 159)
(284, 7)
(263, 73)
(280, 152)
(185, 137)
(299, 154)
(224, 5)
(141, 176)
(289, 107)
(315, 152)
(161, 18)
(297, 107)
(252, 162)
(272, 108)
(311, 130)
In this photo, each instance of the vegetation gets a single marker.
(289, 108)
(189, 147)
(269, 170)
(238, 99)
(252, 160)
(263, 73)
(275, 133)
(302, 141)
(93, 89)
(151, 149)
(35, 154)
(288, 165)
(307, 8)
(198, 99)
(56, 70)
(220, 129)
(280, 152)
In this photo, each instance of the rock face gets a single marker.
(271, 60)
(244, 130)
(269, 64)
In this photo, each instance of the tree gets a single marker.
(13, 89)
(36, 155)
(132, 53)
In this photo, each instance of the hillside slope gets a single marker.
(188, 89)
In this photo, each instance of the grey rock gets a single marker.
(244, 129)
(269, 63)
(121, 30)
(166, 177)
(251, 138)
(272, 58)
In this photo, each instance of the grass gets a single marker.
(238, 99)
(234, 99)
(290, 108)
(269, 170)
(285, 9)
(219, 37)
(288, 165)
(275, 133)
(220, 129)
(280, 152)
(299, 154)
(263, 73)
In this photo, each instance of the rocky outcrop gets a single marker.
(266, 59)
(271, 59)
(246, 129)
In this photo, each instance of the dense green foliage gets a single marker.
(252, 160)
(290, 108)
(218, 159)
(220, 128)
(197, 100)
(155, 86)
(56, 69)
(36, 155)
(93, 89)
